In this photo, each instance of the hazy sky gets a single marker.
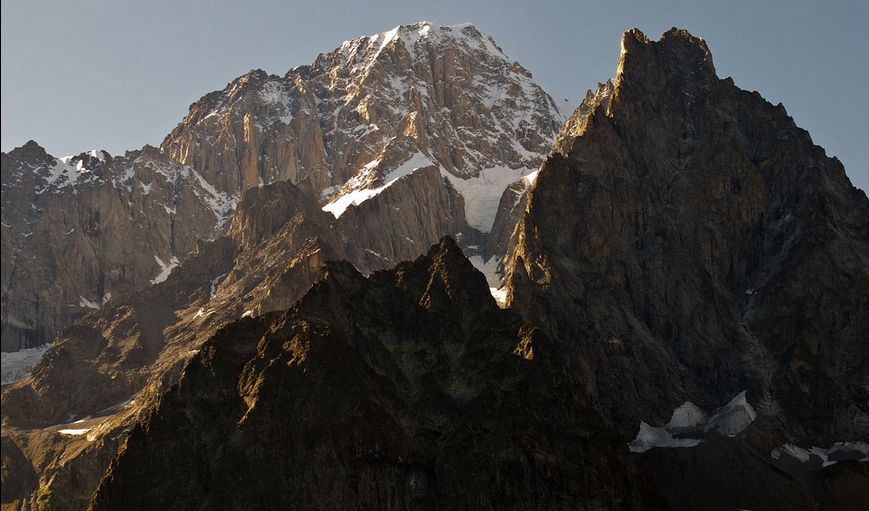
(114, 74)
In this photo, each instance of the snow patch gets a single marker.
(839, 451)
(489, 269)
(221, 204)
(84, 302)
(483, 193)
(732, 418)
(357, 196)
(650, 436)
(66, 172)
(686, 418)
(74, 432)
(214, 284)
(689, 426)
(17, 365)
(165, 269)
(98, 154)
(500, 295)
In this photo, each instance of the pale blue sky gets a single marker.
(116, 75)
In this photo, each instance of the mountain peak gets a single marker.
(31, 149)
(677, 59)
(350, 121)
(430, 35)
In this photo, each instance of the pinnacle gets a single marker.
(31, 149)
(677, 53)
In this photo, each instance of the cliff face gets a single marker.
(691, 242)
(78, 230)
(407, 389)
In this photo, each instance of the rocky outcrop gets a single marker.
(407, 389)
(78, 230)
(691, 242)
(418, 209)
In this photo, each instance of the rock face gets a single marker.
(78, 230)
(410, 389)
(691, 242)
(416, 132)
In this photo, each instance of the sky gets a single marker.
(116, 75)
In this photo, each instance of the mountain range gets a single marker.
(405, 276)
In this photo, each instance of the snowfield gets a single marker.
(18, 364)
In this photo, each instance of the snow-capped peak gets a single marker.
(362, 52)
(465, 33)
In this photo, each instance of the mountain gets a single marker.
(691, 226)
(420, 109)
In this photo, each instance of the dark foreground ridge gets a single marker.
(409, 389)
